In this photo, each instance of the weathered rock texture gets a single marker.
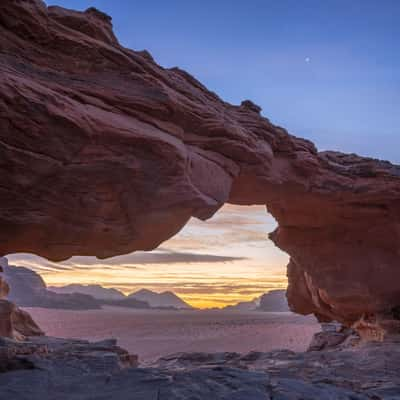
(49, 368)
(103, 152)
(36, 352)
(14, 322)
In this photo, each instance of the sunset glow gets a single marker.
(209, 264)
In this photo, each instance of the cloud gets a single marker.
(154, 257)
(231, 225)
(223, 260)
(130, 261)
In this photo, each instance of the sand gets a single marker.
(155, 333)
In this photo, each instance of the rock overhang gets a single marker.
(104, 152)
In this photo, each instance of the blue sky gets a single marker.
(325, 70)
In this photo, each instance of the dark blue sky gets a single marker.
(327, 70)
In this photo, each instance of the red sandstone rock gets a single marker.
(4, 288)
(103, 152)
(6, 328)
(23, 324)
(16, 323)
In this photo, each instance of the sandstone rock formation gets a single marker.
(24, 325)
(334, 336)
(46, 352)
(14, 322)
(104, 152)
(86, 371)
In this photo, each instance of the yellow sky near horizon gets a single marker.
(222, 261)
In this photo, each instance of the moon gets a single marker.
(307, 59)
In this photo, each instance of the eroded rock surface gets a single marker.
(83, 370)
(37, 352)
(334, 336)
(14, 322)
(104, 152)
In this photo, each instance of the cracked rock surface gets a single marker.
(50, 368)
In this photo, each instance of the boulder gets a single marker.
(334, 336)
(16, 323)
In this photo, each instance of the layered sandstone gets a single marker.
(104, 152)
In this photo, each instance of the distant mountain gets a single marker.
(160, 300)
(244, 305)
(96, 291)
(104, 296)
(141, 299)
(128, 302)
(49, 299)
(274, 301)
(28, 289)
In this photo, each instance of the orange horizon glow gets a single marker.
(223, 261)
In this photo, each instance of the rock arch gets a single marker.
(104, 152)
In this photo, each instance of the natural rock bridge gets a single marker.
(104, 152)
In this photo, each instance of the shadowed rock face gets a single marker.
(103, 152)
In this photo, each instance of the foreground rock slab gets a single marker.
(49, 368)
(42, 352)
